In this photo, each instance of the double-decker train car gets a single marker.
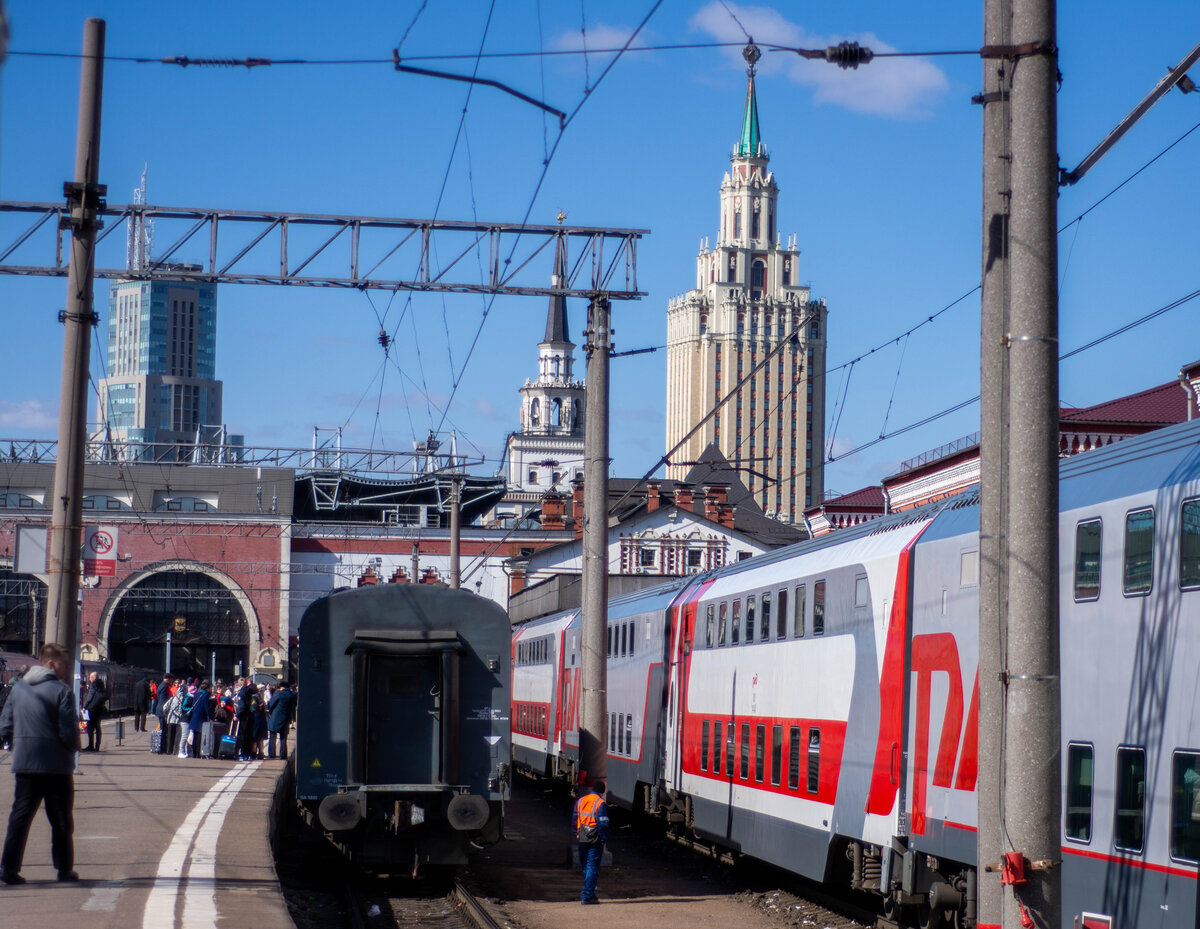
(818, 706)
(403, 741)
(542, 697)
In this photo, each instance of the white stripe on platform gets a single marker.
(202, 825)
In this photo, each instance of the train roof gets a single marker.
(1158, 459)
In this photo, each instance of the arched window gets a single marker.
(737, 224)
(703, 324)
(533, 476)
(758, 274)
(556, 412)
(757, 227)
(576, 415)
(535, 412)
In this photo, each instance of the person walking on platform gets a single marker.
(590, 823)
(40, 722)
(141, 704)
(96, 706)
(281, 711)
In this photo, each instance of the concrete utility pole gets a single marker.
(593, 710)
(84, 197)
(1019, 655)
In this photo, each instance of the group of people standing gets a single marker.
(257, 717)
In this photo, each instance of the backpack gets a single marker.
(186, 704)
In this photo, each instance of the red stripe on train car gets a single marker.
(1174, 870)
(885, 775)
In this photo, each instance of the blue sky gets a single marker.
(879, 172)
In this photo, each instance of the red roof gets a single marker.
(871, 497)
(1161, 406)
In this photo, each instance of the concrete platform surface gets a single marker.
(160, 843)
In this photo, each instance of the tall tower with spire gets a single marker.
(746, 302)
(547, 453)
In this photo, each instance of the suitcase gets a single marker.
(227, 747)
(156, 741)
(207, 739)
(209, 735)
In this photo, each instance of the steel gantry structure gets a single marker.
(322, 250)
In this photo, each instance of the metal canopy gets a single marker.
(320, 250)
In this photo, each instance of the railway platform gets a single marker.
(160, 843)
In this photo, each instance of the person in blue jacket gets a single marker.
(281, 713)
(201, 713)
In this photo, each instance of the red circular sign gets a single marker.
(101, 542)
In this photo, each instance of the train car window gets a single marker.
(735, 624)
(610, 638)
(1079, 793)
(710, 623)
(766, 614)
(1185, 806)
(721, 630)
(1139, 552)
(751, 603)
(776, 754)
(744, 770)
(1087, 560)
(798, 607)
(704, 745)
(629, 735)
(1131, 799)
(729, 747)
(624, 640)
(793, 757)
(716, 765)
(1189, 545)
(612, 732)
(632, 638)
(862, 591)
(814, 760)
(782, 621)
(819, 608)
(760, 752)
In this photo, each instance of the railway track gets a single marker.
(459, 909)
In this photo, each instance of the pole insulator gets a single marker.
(848, 55)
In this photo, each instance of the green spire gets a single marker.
(749, 143)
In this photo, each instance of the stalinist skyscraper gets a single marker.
(747, 302)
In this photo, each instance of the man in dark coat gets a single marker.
(141, 704)
(96, 704)
(246, 705)
(281, 711)
(40, 723)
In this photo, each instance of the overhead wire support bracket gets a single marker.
(471, 79)
(1177, 76)
(322, 250)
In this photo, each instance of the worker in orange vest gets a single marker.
(590, 823)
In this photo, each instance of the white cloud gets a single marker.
(900, 88)
(28, 416)
(598, 36)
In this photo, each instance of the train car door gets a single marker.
(404, 684)
(404, 719)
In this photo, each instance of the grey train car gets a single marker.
(403, 744)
